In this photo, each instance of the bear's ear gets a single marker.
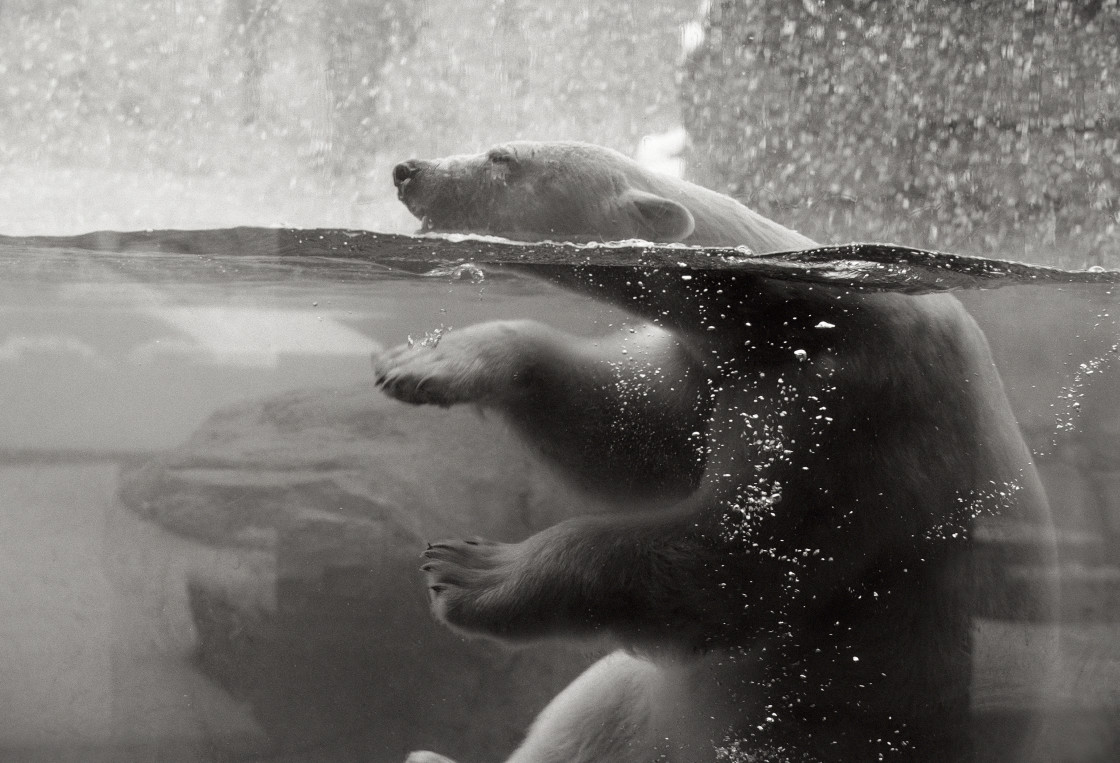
(657, 218)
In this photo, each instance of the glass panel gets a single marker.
(814, 523)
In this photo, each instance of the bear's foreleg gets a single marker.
(640, 580)
(625, 416)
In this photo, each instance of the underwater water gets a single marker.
(211, 519)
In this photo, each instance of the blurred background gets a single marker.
(204, 113)
(959, 124)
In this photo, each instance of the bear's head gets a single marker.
(532, 191)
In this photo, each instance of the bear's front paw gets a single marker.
(481, 364)
(423, 375)
(466, 584)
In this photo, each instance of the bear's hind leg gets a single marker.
(423, 756)
(624, 709)
(604, 716)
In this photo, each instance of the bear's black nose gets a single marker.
(405, 171)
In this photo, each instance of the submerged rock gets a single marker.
(337, 653)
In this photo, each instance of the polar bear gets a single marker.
(797, 468)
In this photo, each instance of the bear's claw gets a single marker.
(459, 574)
(420, 376)
(482, 364)
(472, 554)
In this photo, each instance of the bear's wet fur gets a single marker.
(811, 460)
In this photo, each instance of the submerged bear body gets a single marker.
(809, 462)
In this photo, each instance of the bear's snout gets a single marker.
(405, 171)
